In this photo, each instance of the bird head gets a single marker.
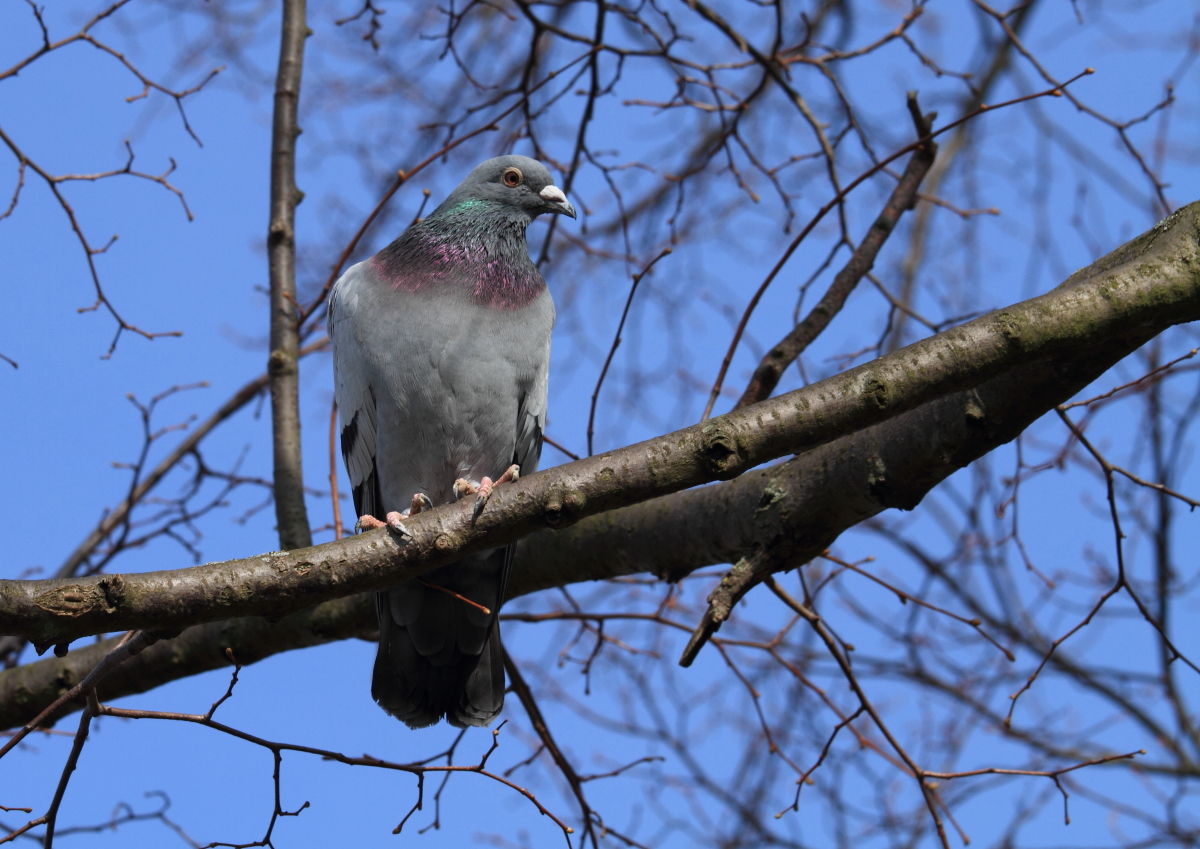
(520, 184)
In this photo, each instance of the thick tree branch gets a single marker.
(28, 690)
(1101, 312)
(798, 508)
(118, 516)
(283, 366)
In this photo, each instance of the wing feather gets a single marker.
(527, 453)
(531, 417)
(356, 402)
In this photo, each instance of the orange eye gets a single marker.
(512, 177)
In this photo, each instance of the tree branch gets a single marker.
(1097, 316)
(903, 197)
(27, 690)
(283, 366)
(798, 508)
(810, 500)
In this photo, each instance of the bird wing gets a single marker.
(531, 419)
(531, 423)
(355, 399)
(527, 453)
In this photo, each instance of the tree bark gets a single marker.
(283, 365)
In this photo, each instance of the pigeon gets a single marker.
(441, 353)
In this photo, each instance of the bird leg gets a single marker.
(395, 521)
(483, 490)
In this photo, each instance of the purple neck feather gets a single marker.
(489, 264)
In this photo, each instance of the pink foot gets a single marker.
(395, 521)
(368, 523)
(483, 491)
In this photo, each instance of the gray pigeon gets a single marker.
(441, 351)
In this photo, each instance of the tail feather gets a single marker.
(438, 656)
(483, 693)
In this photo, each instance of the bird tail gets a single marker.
(419, 694)
(439, 656)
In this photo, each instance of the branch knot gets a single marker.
(721, 456)
(563, 507)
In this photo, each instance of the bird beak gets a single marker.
(557, 201)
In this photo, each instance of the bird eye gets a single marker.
(512, 177)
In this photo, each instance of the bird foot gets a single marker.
(483, 490)
(395, 521)
(368, 523)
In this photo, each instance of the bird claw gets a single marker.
(395, 523)
(483, 490)
(481, 499)
(463, 487)
(511, 474)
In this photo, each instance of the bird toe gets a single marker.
(463, 487)
(367, 523)
(395, 523)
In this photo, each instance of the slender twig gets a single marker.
(553, 444)
(905, 597)
(277, 749)
(837, 652)
(486, 610)
(129, 645)
(637, 278)
(525, 695)
(1153, 373)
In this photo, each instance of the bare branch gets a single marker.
(1105, 302)
(283, 365)
(903, 197)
